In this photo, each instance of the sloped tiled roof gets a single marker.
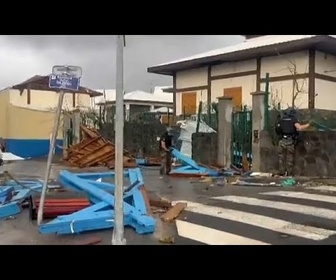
(38, 82)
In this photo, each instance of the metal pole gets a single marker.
(50, 157)
(267, 101)
(118, 232)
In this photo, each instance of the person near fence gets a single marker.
(165, 145)
(287, 128)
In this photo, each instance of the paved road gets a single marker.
(281, 216)
(215, 215)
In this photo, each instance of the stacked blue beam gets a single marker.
(100, 215)
(190, 167)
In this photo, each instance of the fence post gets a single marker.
(76, 126)
(258, 125)
(266, 98)
(225, 108)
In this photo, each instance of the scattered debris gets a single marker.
(14, 194)
(260, 174)
(189, 167)
(56, 207)
(206, 180)
(164, 232)
(158, 210)
(100, 215)
(161, 203)
(94, 150)
(255, 184)
(88, 240)
(10, 157)
(245, 163)
(9, 209)
(289, 182)
(167, 239)
(174, 212)
(149, 161)
(146, 200)
(221, 182)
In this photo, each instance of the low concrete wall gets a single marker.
(315, 154)
(205, 148)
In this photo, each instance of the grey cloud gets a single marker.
(96, 55)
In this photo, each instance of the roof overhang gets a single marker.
(153, 102)
(42, 83)
(322, 43)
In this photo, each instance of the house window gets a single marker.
(189, 104)
(236, 93)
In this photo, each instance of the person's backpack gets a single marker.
(277, 128)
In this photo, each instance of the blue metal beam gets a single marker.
(100, 215)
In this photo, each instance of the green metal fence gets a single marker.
(241, 137)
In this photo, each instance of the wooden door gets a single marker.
(189, 103)
(236, 93)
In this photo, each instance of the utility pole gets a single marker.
(118, 231)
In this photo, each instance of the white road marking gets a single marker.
(291, 207)
(211, 236)
(308, 196)
(322, 188)
(261, 221)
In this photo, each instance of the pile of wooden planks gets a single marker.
(94, 150)
(56, 207)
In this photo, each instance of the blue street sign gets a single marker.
(64, 82)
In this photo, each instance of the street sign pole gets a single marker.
(63, 78)
(118, 232)
(50, 157)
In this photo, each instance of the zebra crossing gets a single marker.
(278, 217)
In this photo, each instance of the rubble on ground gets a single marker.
(94, 150)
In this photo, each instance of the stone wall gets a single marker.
(138, 137)
(204, 148)
(325, 117)
(315, 154)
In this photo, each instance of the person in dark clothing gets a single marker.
(287, 128)
(165, 145)
(2, 150)
(2, 145)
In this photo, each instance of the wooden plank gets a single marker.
(174, 212)
(146, 200)
(94, 154)
(160, 203)
(95, 157)
(92, 134)
(87, 143)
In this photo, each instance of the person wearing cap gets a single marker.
(165, 145)
(287, 128)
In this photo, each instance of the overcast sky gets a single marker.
(22, 57)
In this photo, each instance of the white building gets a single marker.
(302, 68)
(136, 101)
